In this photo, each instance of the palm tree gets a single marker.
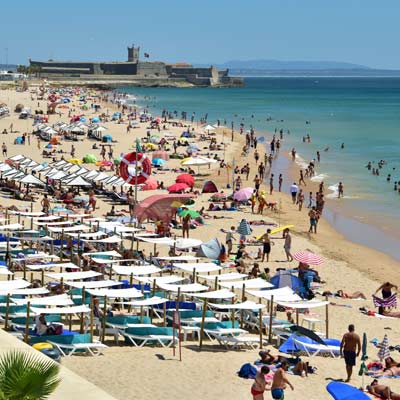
(24, 376)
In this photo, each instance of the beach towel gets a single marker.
(388, 302)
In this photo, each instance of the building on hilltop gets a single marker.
(136, 70)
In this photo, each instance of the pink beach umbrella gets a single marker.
(178, 187)
(185, 178)
(150, 184)
(306, 257)
(243, 194)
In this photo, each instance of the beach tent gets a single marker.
(209, 187)
(159, 207)
(286, 279)
(211, 249)
(343, 391)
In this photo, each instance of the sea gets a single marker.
(350, 121)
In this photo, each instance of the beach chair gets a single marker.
(312, 349)
(235, 342)
(19, 323)
(71, 344)
(140, 336)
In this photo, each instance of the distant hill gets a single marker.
(262, 64)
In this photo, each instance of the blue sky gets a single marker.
(363, 32)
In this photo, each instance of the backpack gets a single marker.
(248, 371)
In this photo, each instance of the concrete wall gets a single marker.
(151, 69)
(119, 68)
(72, 386)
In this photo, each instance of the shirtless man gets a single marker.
(350, 349)
(340, 190)
(45, 204)
(260, 384)
(382, 391)
(186, 225)
(280, 382)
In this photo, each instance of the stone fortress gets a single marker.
(135, 71)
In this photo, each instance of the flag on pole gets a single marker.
(146, 55)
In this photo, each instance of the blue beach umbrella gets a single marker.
(95, 120)
(159, 162)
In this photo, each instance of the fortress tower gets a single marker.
(133, 54)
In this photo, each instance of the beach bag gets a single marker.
(248, 371)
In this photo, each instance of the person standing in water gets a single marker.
(280, 181)
(340, 190)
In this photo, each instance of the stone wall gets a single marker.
(151, 69)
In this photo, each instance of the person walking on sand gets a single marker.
(350, 349)
(229, 239)
(4, 149)
(260, 384)
(300, 199)
(340, 190)
(301, 179)
(280, 382)
(280, 181)
(313, 215)
(271, 184)
(288, 244)
(186, 225)
(293, 191)
(266, 245)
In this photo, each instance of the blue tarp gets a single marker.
(343, 391)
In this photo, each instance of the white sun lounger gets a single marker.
(314, 349)
(94, 348)
(235, 342)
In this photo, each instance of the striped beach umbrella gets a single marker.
(306, 257)
(244, 228)
(384, 352)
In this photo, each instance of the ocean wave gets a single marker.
(301, 162)
(319, 177)
(335, 191)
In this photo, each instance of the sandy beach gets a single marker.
(141, 373)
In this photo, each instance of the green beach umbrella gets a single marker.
(192, 213)
(89, 159)
(117, 160)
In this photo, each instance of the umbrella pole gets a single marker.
(103, 320)
(81, 316)
(326, 319)
(241, 311)
(91, 319)
(28, 317)
(233, 311)
(7, 312)
(260, 327)
(216, 283)
(203, 318)
(270, 321)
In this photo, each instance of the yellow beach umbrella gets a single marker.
(186, 159)
(275, 230)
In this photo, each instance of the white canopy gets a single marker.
(159, 279)
(178, 258)
(92, 284)
(37, 267)
(216, 294)
(191, 287)
(31, 180)
(9, 286)
(48, 218)
(25, 292)
(199, 267)
(246, 305)
(110, 239)
(59, 300)
(5, 271)
(281, 294)
(151, 301)
(78, 181)
(141, 270)
(114, 293)
(257, 283)
(181, 243)
(88, 234)
(11, 227)
(74, 275)
(74, 228)
(302, 304)
(231, 276)
(61, 310)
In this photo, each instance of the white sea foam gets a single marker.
(335, 191)
(319, 178)
(301, 162)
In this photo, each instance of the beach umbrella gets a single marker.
(177, 187)
(78, 181)
(197, 161)
(343, 391)
(31, 180)
(158, 162)
(244, 228)
(384, 351)
(160, 154)
(150, 184)
(243, 194)
(301, 331)
(192, 213)
(211, 249)
(306, 257)
(185, 178)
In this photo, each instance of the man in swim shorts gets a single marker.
(350, 349)
(259, 385)
(280, 382)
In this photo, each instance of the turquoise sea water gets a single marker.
(362, 113)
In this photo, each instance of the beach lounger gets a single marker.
(312, 349)
(149, 335)
(71, 344)
(235, 342)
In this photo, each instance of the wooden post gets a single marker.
(326, 319)
(270, 320)
(216, 283)
(233, 310)
(81, 316)
(7, 312)
(42, 276)
(62, 244)
(260, 327)
(91, 319)
(194, 275)
(70, 322)
(28, 317)
(103, 320)
(203, 318)
(165, 314)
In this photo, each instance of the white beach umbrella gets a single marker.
(31, 180)
(78, 181)
(5, 167)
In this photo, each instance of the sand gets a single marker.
(133, 373)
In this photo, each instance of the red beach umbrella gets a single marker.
(150, 184)
(178, 187)
(185, 178)
(306, 257)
